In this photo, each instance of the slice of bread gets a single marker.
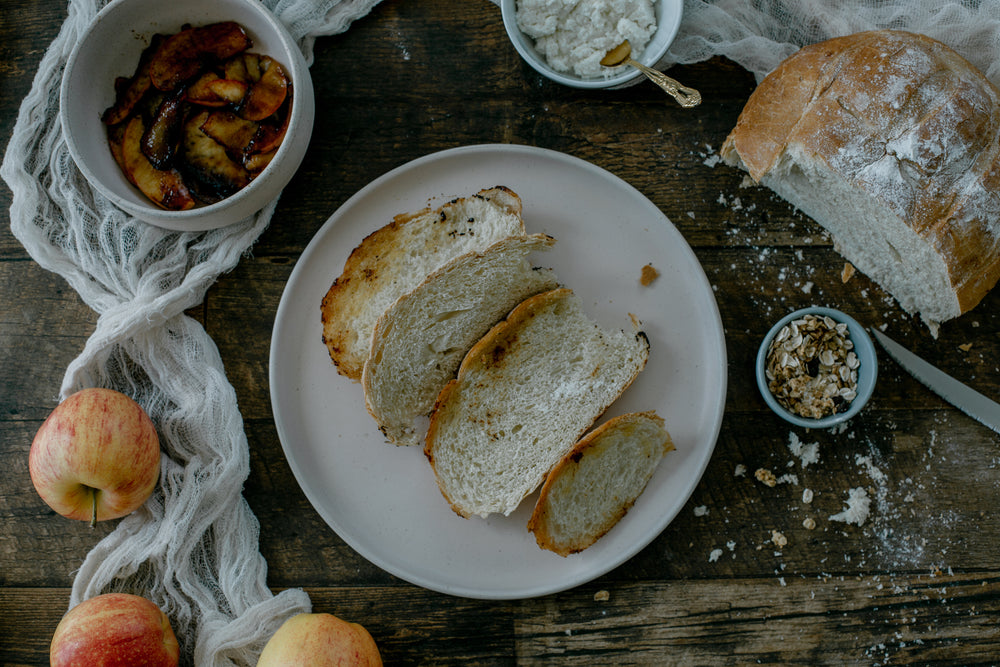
(596, 483)
(524, 395)
(419, 342)
(398, 257)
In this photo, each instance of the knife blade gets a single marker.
(962, 396)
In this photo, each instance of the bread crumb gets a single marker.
(856, 512)
(766, 477)
(847, 272)
(809, 523)
(778, 539)
(806, 454)
(965, 347)
(649, 274)
(700, 510)
(715, 555)
(807, 496)
(602, 596)
(740, 470)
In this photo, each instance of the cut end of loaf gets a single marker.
(889, 140)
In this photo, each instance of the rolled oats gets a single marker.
(811, 367)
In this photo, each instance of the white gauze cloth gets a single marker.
(193, 548)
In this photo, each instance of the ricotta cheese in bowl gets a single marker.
(564, 40)
(573, 35)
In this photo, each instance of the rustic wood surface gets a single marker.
(918, 583)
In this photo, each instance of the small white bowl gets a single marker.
(111, 46)
(867, 368)
(668, 21)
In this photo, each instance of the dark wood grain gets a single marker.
(736, 578)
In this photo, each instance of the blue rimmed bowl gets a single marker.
(867, 368)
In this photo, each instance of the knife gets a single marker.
(963, 397)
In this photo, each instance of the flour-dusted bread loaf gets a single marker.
(596, 483)
(522, 398)
(399, 256)
(418, 343)
(889, 140)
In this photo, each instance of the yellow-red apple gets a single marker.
(96, 457)
(114, 630)
(320, 640)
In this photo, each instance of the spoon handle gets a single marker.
(686, 97)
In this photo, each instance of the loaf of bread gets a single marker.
(889, 140)
(419, 342)
(597, 481)
(399, 256)
(523, 396)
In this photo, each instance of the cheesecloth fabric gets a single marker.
(759, 34)
(193, 548)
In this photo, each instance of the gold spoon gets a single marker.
(621, 55)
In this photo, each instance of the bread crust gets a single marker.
(852, 103)
(491, 351)
(540, 524)
(380, 269)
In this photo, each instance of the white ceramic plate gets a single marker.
(383, 500)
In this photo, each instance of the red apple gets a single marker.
(114, 630)
(320, 640)
(96, 457)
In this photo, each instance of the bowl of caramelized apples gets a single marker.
(189, 114)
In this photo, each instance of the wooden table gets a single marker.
(918, 583)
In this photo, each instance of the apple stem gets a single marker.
(93, 515)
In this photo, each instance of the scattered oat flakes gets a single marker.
(766, 477)
(649, 274)
(809, 523)
(778, 539)
(602, 596)
(846, 272)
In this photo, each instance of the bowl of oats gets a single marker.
(816, 367)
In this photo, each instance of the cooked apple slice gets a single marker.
(206, 162)
(184, 54)
(116, 137)
(128, 92)
(271, 134)
(164, 187)
(228, 129)
(243, 67)
(161, 138)
(255, 163)
(267, 94)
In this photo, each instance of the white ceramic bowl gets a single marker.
(110, 47)
(668, 21)
(867, 369)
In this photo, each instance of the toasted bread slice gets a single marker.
(419, 342)
(596, 483)
(524, 395)
(399, 256)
